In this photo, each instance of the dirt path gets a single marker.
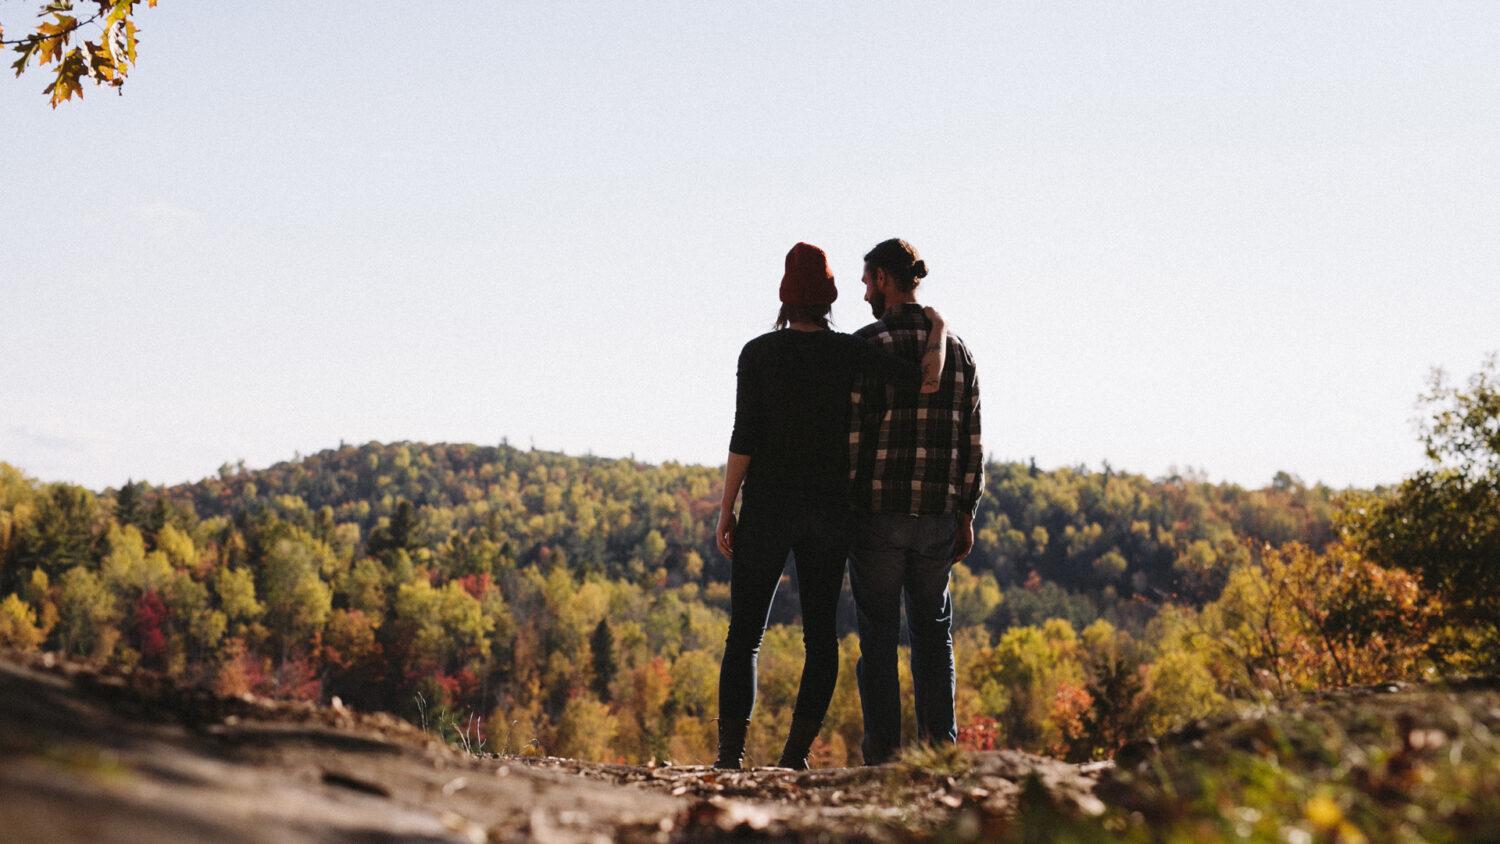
(85, 756)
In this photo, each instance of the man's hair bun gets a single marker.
(900, 259)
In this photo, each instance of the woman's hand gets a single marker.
(734, 477)
(724, 534)
(935, 355)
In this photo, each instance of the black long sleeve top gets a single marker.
(792, 409)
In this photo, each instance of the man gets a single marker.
(917, 469)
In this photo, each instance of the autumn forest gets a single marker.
(540, 603)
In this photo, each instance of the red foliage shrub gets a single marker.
(450, 687)
(297, 679)
(477, 585)
(1069, 706)
(151, 614)
(240, 671)
(981, 733)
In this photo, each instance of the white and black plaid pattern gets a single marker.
(915, 453)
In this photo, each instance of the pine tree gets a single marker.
(61, 534)
(130, 504)
(602, 643)
(397, 535)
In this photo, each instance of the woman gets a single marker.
(789, 450)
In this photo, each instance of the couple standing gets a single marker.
(862, 447)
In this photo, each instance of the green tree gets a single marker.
(193, 615)
(975, 598)
(365, 586)
(695, 684)
(1198, 571)
(440, 628)
(653, 547)
(602, 645)
(17, 493)
(1031, 682)
(399, 534)
(236, 590)
(130, 504)
(86, 614)
(127, 568)
(1179, 688)
(298, 602)
(177, 545)
(1110, 566)
(61, 533)
(1443, 522)
(1113, 662)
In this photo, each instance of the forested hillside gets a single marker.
(532, 602)
(577, 604)
(1105, 537)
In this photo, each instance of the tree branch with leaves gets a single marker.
(107, 57)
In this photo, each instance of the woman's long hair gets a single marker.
(803, 313)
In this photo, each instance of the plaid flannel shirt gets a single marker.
(909, 452)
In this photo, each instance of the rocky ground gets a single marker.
(86, 755)
(92, 756)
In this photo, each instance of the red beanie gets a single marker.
(808, 281)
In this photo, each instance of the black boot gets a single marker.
(731, 744)
(798, 743)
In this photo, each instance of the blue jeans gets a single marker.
(894, 554)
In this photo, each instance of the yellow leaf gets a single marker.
(1324, 813)
(53, 36)
(101, 63)
(130, 40)
(118, 12)
(69, 78)
(120, 36)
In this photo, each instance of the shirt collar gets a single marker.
(904, 311)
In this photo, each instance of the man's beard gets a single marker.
(877, 303)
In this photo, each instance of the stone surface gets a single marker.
(90, 756)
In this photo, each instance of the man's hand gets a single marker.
(963, 540)
(724, 534)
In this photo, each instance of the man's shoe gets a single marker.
(798, 744)
(731, 744)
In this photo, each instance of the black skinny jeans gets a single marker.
(817, 534)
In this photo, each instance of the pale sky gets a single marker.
(1232, 236)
